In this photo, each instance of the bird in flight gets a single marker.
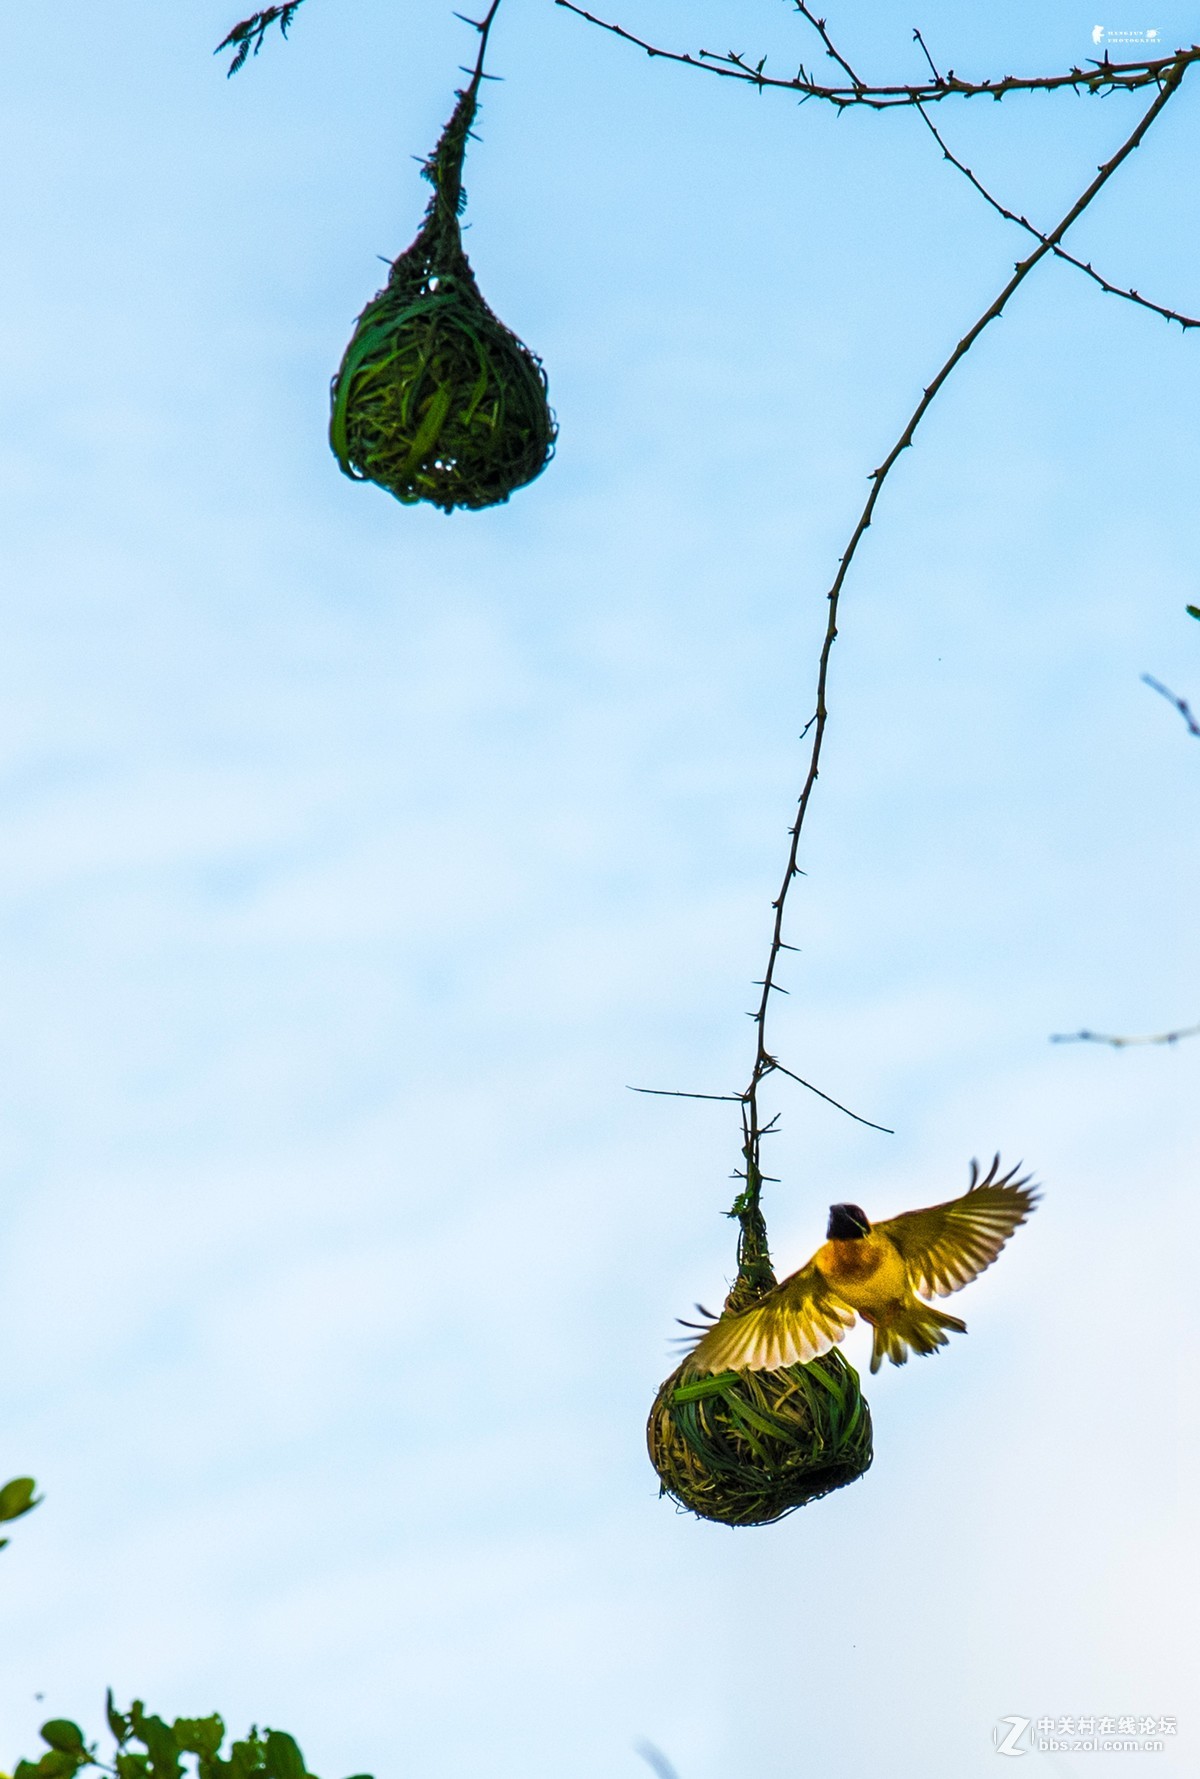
(882, 1271)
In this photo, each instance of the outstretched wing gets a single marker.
(797, 1321)
(948, 1245)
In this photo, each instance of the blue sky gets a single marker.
(357, 859)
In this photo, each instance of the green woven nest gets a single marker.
(749, 1447)
(435, 398)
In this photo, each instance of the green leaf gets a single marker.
(62, 1763)
(119, 1724)
(200, 1735)
(129, 1766)
(246, 1757)
(16, 1497)
(60, 1732)
(165, 1760)
(1193, 611)
(284, 1759)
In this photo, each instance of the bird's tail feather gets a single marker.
(918, 1326)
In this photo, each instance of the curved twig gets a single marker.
(1181, 704)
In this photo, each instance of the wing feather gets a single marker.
(948, 1245)
(794, 1323)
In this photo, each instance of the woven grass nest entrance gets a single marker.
(746, 1448)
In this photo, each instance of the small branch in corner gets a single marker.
(1181, 704)
(1123, 1043)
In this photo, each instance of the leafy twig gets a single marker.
(247, 38)
(167, 1746)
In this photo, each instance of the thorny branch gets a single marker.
(1097, 77)
(752, 1246)
(1132, 296)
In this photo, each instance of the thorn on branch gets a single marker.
(799, 1079)
(673, 1093)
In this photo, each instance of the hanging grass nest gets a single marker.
(435, 398)
(748, 1447)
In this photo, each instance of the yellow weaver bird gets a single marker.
(876, 1269)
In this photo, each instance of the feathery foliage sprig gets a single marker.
(247, 38)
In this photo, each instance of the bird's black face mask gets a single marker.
(846, 1224)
